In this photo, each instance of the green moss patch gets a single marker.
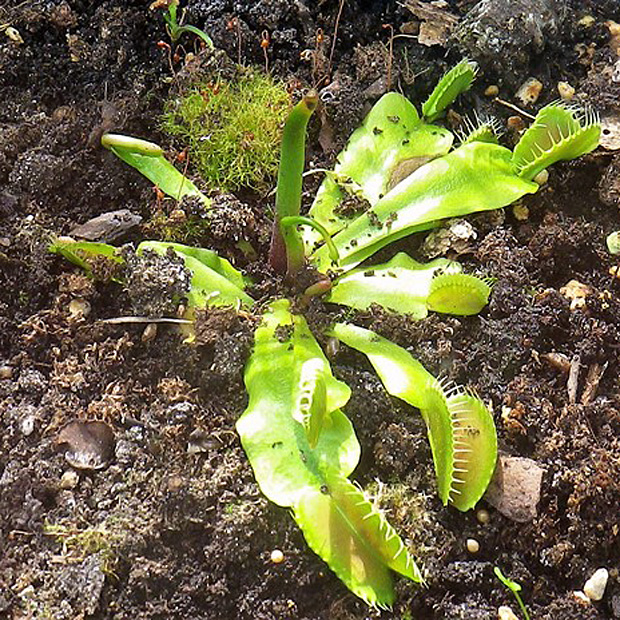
(232, 129)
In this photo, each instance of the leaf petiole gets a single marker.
(514, 587)
(301, 220)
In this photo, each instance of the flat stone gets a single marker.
(515, 487)
(107, 227)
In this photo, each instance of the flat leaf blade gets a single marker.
(355, 540)
(474, 177)
(374, 157)
(400, 285)
(276, 443)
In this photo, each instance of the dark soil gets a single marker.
(183, 529)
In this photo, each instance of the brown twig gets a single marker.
(513, 107)
(264, 43)
(335, 36)
(390, 55)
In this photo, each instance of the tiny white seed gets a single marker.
(277, 557)
(473, 546)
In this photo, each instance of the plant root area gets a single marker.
(153, 513)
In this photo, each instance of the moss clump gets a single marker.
(78, 544)
(232, 129)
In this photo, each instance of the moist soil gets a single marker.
(170, 522)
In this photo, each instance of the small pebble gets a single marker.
(586, 21)
(581, 597)
(177, 216)
(78, 309)
(515, 123)
(566, 91)
(505, 613)
(491, 91)
(520, 212)
(483, 516)
(277, 557)
(27, 425)
(529, 91)
(69, 479)
(577, 293)
(473, 546)
(6, 372)
(542, 177)
(594, 588)
(149, 333)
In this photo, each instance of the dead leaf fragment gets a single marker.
(610, 132)
(435, 21)
(87, 445)
(108, 227)
(577, 293)
(515, 488)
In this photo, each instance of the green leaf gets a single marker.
(402, 375)
(474, 177)
(460, 428)
(302, 462)
(389, 145)
(458, 293)
(148, 159)
(400, 285)
(451, 85)
(613, 242)
(272, 435)
(215, 282)
(83, 253)
(559, 132)
(360, 546)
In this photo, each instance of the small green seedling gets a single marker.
(514, 587)
(173, 25)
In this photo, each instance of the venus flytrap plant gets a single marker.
(400, 174)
